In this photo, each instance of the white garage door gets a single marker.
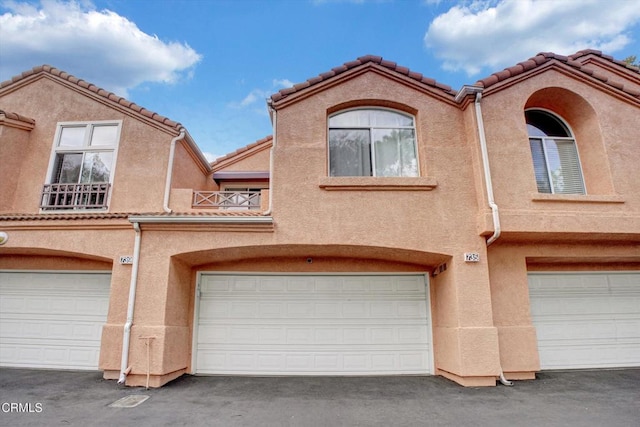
(52, 320)
(586, 320)
(312, 325)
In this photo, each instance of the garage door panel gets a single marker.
(586, 320)
(314, 325)
(312, 363)
(52, 320)
(284, 335)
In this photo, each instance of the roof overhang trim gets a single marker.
(240, 175)
(151, 219)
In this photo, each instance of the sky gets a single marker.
(211, 64)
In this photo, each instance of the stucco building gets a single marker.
(391, 225)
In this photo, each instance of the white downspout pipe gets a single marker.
(167, 186)
(489, 186)
(126, 336)
(487, 172)
(273, 146)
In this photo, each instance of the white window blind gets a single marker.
(555, 157)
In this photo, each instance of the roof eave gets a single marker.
(293, 96)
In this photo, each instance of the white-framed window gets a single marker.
(81, 167)
(555, 156)
(372, 142)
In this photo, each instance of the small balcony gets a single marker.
(230, 200)
(75, 196)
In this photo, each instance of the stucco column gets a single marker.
(511, 313)
(465, 340)
(160, 321)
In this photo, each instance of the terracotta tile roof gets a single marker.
(124, 215)
(208, 214)
(16, 116)
(62, 216)
(599, 53)
(368, 59)
(264, 141)
(93, 88)
(545, 57)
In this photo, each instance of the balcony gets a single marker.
(231, 200)
(75, 196)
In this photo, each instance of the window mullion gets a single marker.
(399, 153)
(84, 154)
(372, 153)
(546, 161)
(88, 135)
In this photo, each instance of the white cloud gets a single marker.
(210, 156)
(260, 95)
(282, 83)
(496, 34)
(254, 96)
(100, 46)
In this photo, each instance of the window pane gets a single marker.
(408, 157)
(350, 119)
(395, 152)
(349, 152)
(540, 166)
(382, 118)
(67, 168)
(96, 167)
(564, 166)
(72, 136)
(104, 135)
(540, 123)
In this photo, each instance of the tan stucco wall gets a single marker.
(480, 311)
(187, 173)
(508, 268)
(13, 143)
(142, 155)
(254, 159)
(607, 148)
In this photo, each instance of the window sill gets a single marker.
(369, 183)
(576, 198)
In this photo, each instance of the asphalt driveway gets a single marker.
(578, 398)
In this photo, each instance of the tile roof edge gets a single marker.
(598, 53)
(263, 141)
(546, 57)
(210, 214)
(127, 215)
(61, 216)
(19, 117)
(110, 96)
(362, 60)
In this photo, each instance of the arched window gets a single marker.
(555, 156)
(372, 142)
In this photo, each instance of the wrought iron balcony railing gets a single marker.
(75, 196)
(234, 200)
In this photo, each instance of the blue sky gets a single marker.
(211, 64)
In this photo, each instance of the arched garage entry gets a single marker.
(314, 310)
